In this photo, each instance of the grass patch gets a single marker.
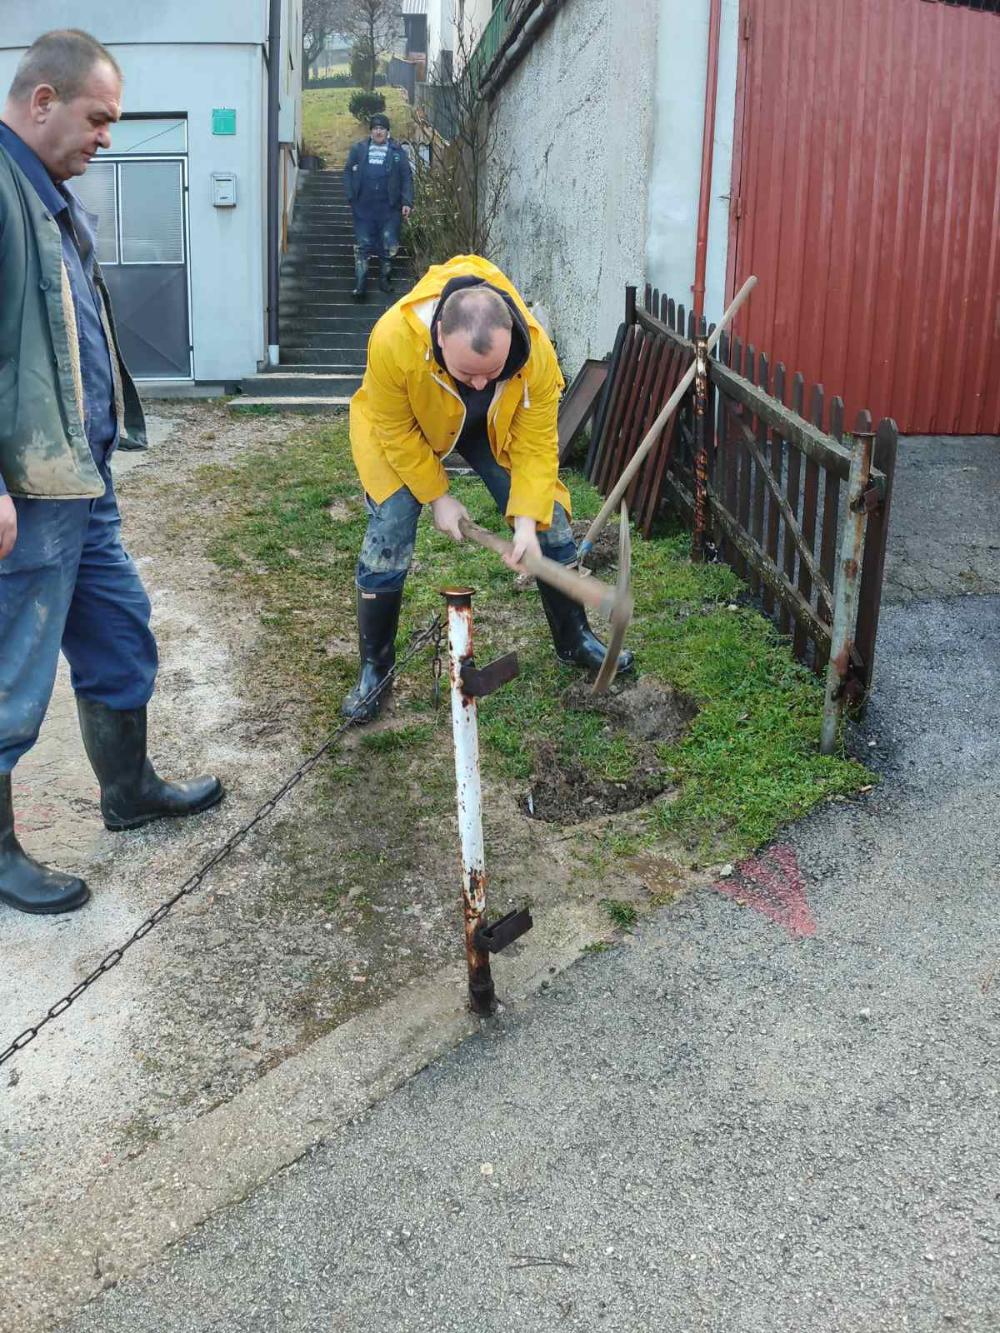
(622, 915)
(749, 763)
(329, 129)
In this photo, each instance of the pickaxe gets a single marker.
(615, 604)
(656, 429)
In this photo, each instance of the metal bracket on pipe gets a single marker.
(505, 930)
(478, 682)
(872, 498)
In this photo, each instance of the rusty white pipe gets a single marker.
(465, 733)
(707, 156)
(847, 585)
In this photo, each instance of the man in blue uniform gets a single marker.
(379, 185)
(66, 400)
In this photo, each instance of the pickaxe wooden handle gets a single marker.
(656, 429)
(587, 590)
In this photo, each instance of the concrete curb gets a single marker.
(127, 1220)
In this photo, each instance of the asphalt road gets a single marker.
(722, 1124)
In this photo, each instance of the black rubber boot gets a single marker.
(360, 280)
(575, 642)
(24, 883)
(385, 275)
(131, 792)
(378, 620)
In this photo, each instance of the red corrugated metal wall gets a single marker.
(866, 197)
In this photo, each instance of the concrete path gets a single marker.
(727, 1123)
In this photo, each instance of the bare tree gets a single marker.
(462, 177)
(373, 26)
(320, 20)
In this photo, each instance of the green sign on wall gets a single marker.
(224, 120)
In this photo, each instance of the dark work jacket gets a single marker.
(373, 190)
(44, 450)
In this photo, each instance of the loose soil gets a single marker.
(564, 792)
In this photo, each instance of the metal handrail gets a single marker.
(489, 43)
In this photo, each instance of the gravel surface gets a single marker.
(719, 1125)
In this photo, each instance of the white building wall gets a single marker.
(577, 121)
(227, 273)
(219, 63)
(675, 179)
(114, 22)
(472, 17)
(440, 32)
(290, 108)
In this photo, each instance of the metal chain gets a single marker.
(431, 633)
(436, 664)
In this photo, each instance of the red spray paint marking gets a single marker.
(773, 884)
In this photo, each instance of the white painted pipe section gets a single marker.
(465, 732)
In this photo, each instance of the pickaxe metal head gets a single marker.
(615, 604)
(621, 614)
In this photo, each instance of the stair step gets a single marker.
(359, 324)
(369, 310)
(306, 405)
(294, 384)
(344, 364)
(336, 359)
(331, 345)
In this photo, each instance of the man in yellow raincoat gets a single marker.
(458, 364)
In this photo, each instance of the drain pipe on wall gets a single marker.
(707, 156)
(273, 176)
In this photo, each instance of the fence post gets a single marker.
(884, 458)
(700, 447)
(465, 731)
(847, 580)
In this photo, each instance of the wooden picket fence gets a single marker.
(778, 464)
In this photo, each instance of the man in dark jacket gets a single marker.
(66, 400)
(379, 185)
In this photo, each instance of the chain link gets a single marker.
(430, 634)
(436, 664)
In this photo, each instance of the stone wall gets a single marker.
(576, 118)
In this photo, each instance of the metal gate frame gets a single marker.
(796, 505)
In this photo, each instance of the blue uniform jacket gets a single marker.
(371, 191)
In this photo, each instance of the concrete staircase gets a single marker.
(323, 333)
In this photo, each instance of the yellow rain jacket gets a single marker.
(407, 415)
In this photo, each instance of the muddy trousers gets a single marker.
(69, 584)
(376, 233)
(387, 549)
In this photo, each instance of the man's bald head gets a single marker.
(474, 333)
(478, 312)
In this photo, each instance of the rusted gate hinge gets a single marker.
(872, 498)
(852, 674)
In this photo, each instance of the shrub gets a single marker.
(361, 70)
(364, 105)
